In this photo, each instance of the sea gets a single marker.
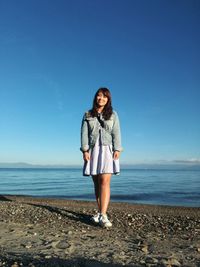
(145, 186)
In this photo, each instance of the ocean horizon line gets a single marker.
(187, 165)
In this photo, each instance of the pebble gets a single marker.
(144, 248)
(174, 262)
(26, 245)
(122, 253)
(62, 245)
(48, 257)
(151, 260)
(170, 262)
(36, 257)
(69, 232)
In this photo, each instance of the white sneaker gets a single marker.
(104, 222)
(96, 218)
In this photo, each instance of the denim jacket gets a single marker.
(110, 133)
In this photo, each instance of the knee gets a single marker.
(105, 183)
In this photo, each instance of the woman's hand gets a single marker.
(86, 156)
(116, 154)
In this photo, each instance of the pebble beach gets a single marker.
(57, 232)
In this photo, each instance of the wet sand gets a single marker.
(55, 232)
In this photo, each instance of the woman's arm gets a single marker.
(84, 136)
(116, 135)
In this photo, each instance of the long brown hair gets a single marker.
(108, 110)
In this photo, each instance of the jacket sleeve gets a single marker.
(84, 135)
(116, 134)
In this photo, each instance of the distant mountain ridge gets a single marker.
(168, 165)
(29, 165)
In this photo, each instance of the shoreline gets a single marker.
(61, 200)
(37, 231)
(92, 199)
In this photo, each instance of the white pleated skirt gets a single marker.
(101, 160)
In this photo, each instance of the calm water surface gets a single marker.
(164, 187)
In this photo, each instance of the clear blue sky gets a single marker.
(54, 55)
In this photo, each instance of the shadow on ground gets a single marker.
(2, 198)
(28, 260)
(72, 215)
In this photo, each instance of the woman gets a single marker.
(101, 147)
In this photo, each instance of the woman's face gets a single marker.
(101, 99)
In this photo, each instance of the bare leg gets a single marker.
(97, 190)
(104, 186)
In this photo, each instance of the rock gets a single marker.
(70, 249)
(62, 245)
(122, 253)
(164, 263)
(171, 262)
(174, 262)
(151, 260)
(198, 249)
(36, 257)
(144, 248)
(28, 246)
(48, 257)
(69, 232)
